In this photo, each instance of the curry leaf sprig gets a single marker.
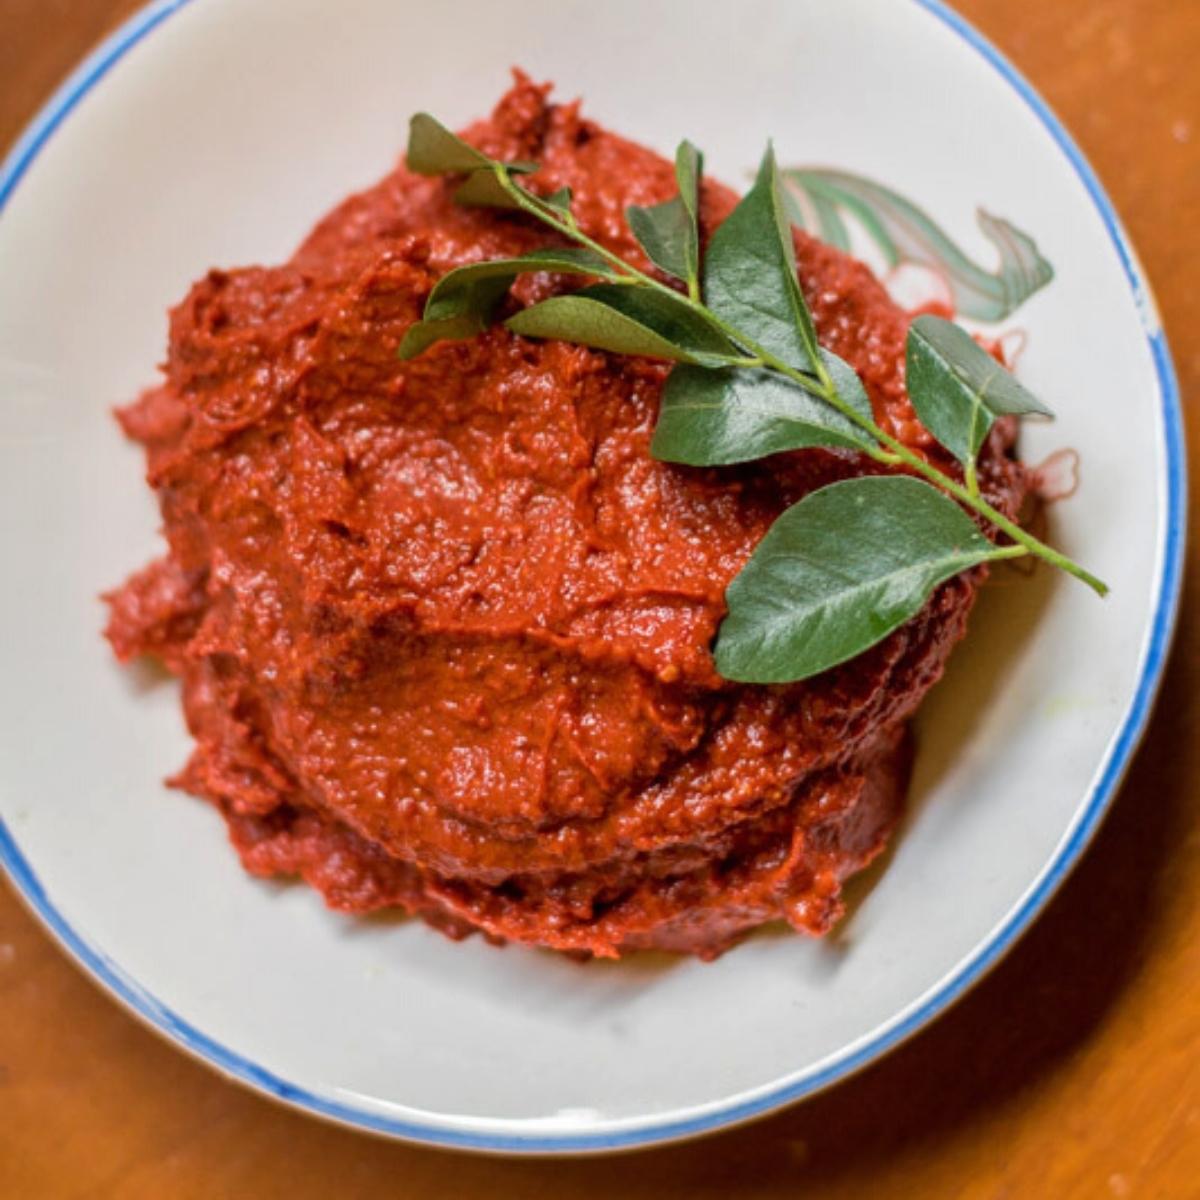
(845, 566)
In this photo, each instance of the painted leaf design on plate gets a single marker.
(819, 200)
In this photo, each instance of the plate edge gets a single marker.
(1173, 489)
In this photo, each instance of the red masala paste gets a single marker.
(444, 626)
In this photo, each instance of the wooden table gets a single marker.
(1072, 1071)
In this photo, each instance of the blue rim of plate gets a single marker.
(1166, 605)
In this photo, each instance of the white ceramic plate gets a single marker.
(216, 132)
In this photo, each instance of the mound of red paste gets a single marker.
(444, 626)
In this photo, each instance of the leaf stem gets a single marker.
(1011, 528)
(533, 205)
(971, 476)
(895, 453)
(960, 492)
(1009, 552)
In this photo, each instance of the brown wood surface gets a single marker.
(1072, 1071)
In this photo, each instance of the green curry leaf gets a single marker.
(464, 301)
(434, 150)
(713, 418)
(483, 189)
(670, 232)
(627, 320)
(559, 200)
(750, 273)
(958, 388)
(838, 572)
